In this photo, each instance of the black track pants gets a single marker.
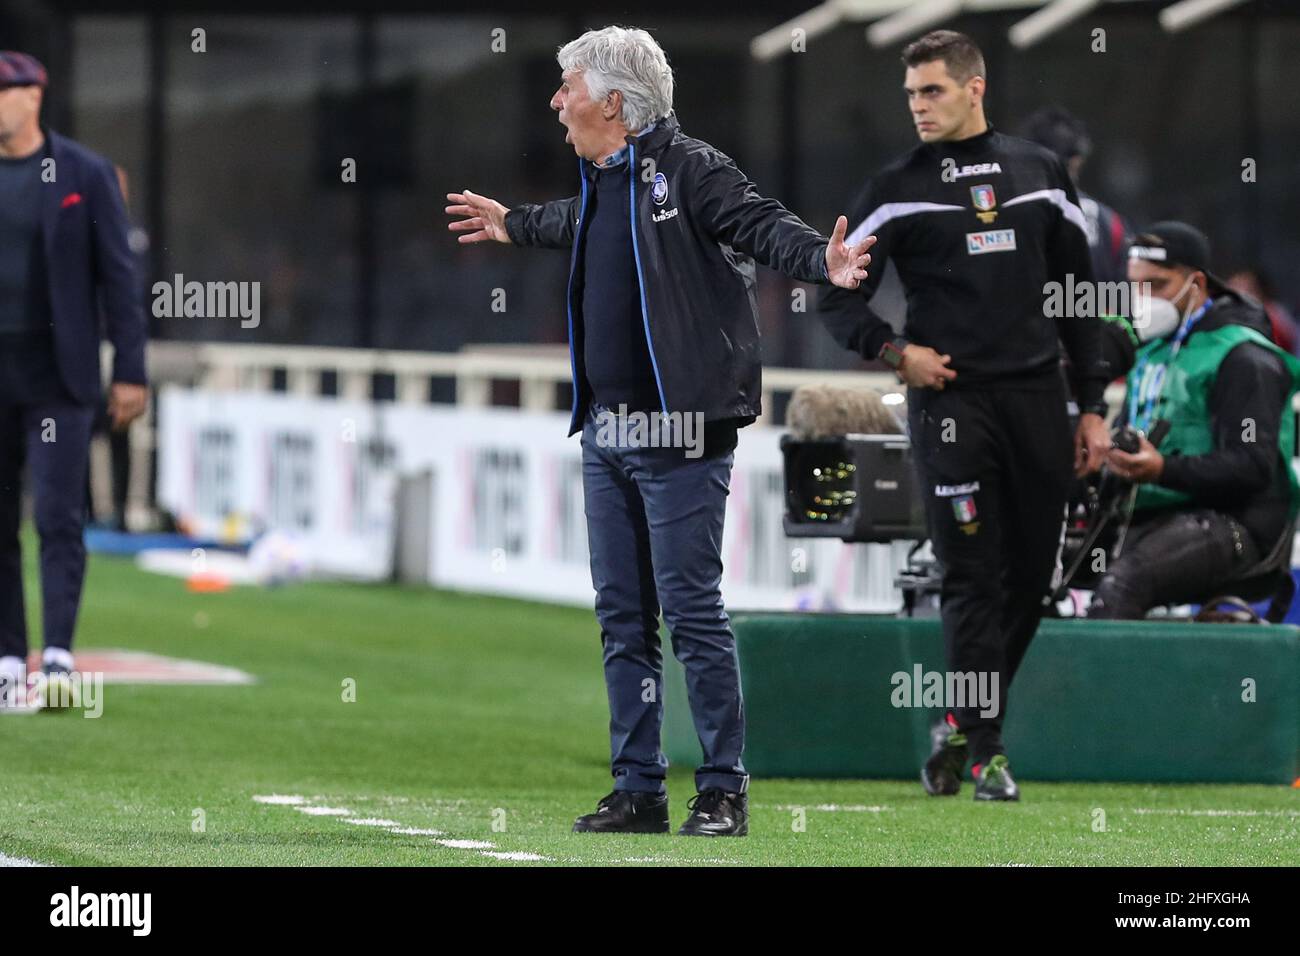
(995, 467)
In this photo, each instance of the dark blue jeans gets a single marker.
(654, 528)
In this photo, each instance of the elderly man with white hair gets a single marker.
(663, 329)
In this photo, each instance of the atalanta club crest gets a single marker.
(659, 190)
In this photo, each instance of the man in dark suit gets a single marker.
(64, 262)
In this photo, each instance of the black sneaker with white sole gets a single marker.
(626, 811)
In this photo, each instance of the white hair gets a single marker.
(626, 60)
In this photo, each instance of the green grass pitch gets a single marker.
(485, 720)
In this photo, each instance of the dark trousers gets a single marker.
(45, 429)
(119, 448)
(654, 528)
(995, 467)
(1178, 557)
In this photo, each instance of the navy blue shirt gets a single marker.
(24, 291)
(615, 353)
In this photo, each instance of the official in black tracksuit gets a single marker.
(978, 224)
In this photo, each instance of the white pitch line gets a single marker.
(7, 860)
(672, 860)
(828, 807)
(1219, 813)
(372, 822)
(299, 803)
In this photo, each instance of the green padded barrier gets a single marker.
(1094, 700)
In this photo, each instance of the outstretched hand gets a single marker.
(846, 265)
(484, 218)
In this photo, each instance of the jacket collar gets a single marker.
(52, 204)
(660, 134)
(659, 137)
(1232, 308)
(54, 147)
(970, 145)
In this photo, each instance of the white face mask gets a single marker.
(1154, 318)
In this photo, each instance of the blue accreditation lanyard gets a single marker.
(1151, 390)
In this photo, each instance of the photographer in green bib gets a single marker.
(1214, 495)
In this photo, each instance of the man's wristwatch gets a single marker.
(891, 353)
(1094, 408)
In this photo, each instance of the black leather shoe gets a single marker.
(715, 812)
(626, 811)
(941, 775)
(994, 781)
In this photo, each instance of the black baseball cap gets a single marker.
(1172, 244)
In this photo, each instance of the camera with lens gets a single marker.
(1129, 439)
(1098, 511)
(1126, 439)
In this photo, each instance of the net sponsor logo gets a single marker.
(995, 240)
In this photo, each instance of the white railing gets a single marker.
(536, 369)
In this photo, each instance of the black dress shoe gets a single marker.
(626, 811)
(994, 781)
(941, 775)
(715, 812)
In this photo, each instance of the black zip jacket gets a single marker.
(977, 228)
(698, 225)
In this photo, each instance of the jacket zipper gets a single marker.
(640, 276)
(568, 299)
